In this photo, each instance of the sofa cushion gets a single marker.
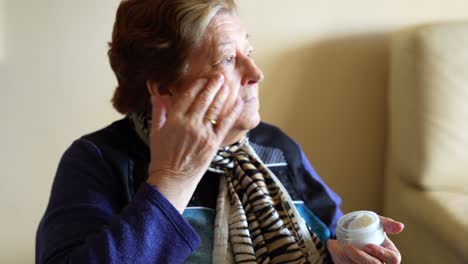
(444, 213)
(429, 105)
(436, 222)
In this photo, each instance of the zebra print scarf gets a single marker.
(256, 220)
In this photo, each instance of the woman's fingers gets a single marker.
(205, 98)
(226, 122)
(359, 256)
(216, 107)
(391, 226)
(387, 253)
(389, 244)
(345, 253)
(336, 249)
(188, 95)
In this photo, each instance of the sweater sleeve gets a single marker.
(325, 200)
(85, 222)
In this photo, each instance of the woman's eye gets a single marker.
(230, 59)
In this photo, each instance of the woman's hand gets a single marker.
(370, 254)
(183, 141)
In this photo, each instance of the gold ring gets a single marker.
(212, 121)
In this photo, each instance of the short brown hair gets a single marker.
(151, 40)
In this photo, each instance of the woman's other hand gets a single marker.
(370, 254)
(183, 141)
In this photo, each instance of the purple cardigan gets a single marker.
(89, 218)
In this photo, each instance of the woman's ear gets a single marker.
(153, 88)
(156, 88)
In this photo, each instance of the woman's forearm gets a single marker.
(148, 230)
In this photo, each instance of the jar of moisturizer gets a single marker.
(360, 228)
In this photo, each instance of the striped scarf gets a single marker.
(256, 220)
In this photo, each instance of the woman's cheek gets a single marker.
(233, 83)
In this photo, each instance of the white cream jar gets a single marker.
(360, 228)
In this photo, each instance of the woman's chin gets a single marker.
(250, 116)
(247, 122)
(253, 122)
(241, 127)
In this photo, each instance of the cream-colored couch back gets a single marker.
(431, 90)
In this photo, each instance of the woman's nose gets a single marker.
(252, 74)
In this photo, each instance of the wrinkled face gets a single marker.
(226, 50)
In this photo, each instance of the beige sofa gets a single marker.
(427, 170)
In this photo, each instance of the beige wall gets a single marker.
(58, 86)
(325, 64)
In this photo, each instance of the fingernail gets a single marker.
(401, 227)
(397, 226)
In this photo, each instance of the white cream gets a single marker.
(361, 220)
(360, 228)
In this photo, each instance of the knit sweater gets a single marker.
(101, 210)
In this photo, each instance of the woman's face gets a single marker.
(226, 50)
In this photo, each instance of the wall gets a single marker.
(326, 71)
(58, 86)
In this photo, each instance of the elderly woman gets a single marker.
(191, 174)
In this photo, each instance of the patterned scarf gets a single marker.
(256, 220)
